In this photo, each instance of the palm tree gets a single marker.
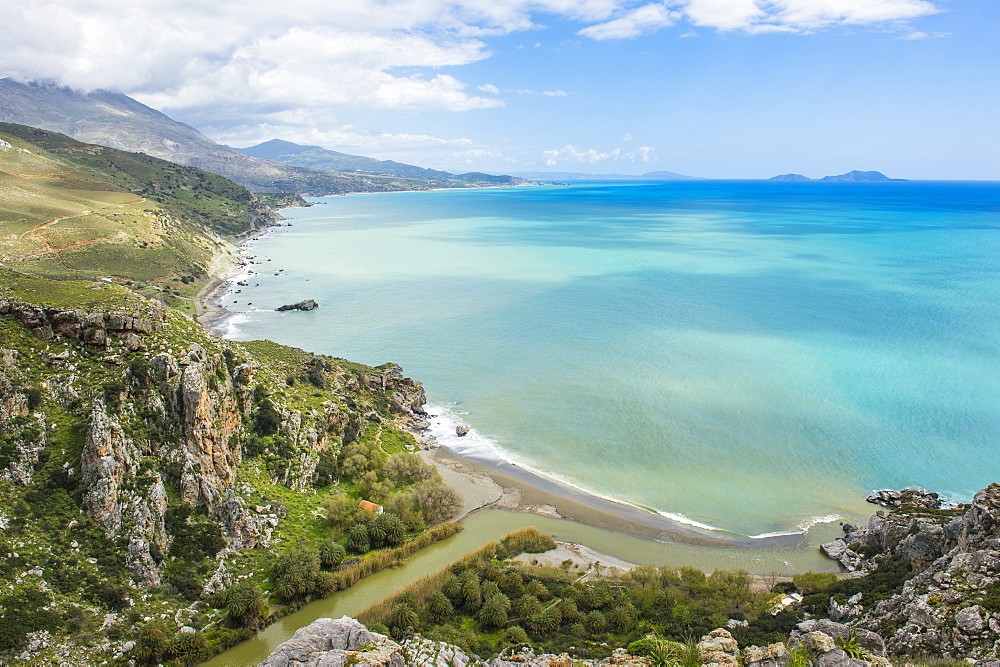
(331, 553)
(245, 604)
(439, 607)
(595, 621)
(402, 619)
(492, 613)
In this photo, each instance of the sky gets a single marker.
(711, 88)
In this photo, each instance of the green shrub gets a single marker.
(23, 612)
(813, 582)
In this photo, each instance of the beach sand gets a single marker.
(519, 490)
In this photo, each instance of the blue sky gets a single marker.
(714, 88)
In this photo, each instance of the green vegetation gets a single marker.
(285, 476)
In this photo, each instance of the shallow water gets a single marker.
(749, 355)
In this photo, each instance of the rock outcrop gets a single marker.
(305, 305)
(336, 642)
(951, 608)
(909, 497)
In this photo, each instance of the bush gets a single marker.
(266, 419)
(813, 582)
(23, 612)
(327, 469)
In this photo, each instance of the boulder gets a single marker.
(718, 648)
(336, 642)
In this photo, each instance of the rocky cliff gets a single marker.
(950, 605)
(122, 415)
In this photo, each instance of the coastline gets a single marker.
(502, 484)
(512, 488)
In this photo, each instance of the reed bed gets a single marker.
(378, 561)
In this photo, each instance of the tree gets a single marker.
(402, 619)
(493, 612)
(472, 595)
(402, 505)
(331, 553)
(296, 574)
(245, 604)
(404, 467)
(438, 607)
(595, 622)
(622, 616)
(436, 500)
(339, 509)
(537, 589)
(515, 634)
(357, 539)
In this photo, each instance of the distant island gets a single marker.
(853, 176)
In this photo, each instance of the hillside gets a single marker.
(149, 468)
(146, 465)
(69, 209)
(118, 121)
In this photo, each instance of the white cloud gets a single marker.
(258, 53)
(570, 153)
(758, 16)
(635, 22)
(546, 93)
(489, 88)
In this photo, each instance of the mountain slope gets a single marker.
(116, 120)
(316, 157)
(86, 211)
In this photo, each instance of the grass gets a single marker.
(69, 209)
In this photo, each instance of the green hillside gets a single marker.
(69, 209)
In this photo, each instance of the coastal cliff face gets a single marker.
(950, 605)
(128, 434)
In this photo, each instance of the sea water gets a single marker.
(749, 355)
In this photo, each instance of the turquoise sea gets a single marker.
(749, 355)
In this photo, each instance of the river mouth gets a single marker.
(489, 524)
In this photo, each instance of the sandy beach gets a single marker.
(519, 490)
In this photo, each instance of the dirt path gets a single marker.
(76, 215)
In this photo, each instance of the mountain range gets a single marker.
(578, 176)
(118, 121)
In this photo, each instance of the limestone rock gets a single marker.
(910, 497)
(932, 614)
(718, 648)
(335, 642)
(772, 655)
